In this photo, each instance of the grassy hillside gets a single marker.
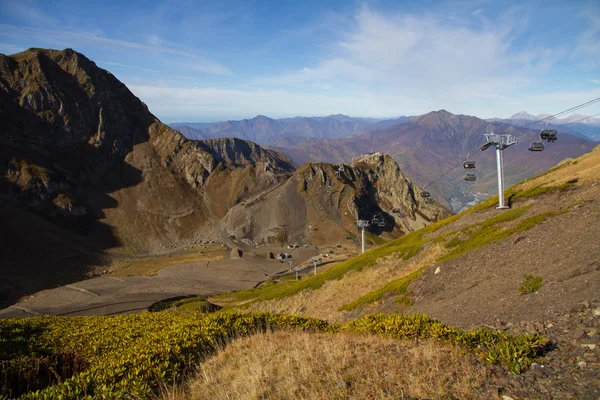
(380, 279)
(131, 356)
(533, 268)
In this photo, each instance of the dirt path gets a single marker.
(130, 294)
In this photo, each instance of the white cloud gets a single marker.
(588, 42)
(130, 66)
(25, 9)
(6, 48)
(411, 55)
(184, 102)
(434, 61)
(64, 38)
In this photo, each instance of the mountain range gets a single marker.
(424, 146)
(285, 131)
(88, 172)
(574, 124)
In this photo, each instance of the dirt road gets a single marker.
(129, 294)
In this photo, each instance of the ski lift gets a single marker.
(469, 164)
(536, 146)
(470, 177)
(548, 135)
(485, 146)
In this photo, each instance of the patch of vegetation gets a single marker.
(130, 356)
(405, 247)
(531, 284)
(186, 304)
(124, 356)
(514, 352)
(455, 241)
(537, 191)
(485, 233)
(396, 287)
(350, 235)
(374, 238)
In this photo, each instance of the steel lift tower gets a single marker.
(501, 142)
(362, 224)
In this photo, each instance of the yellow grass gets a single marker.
(325, 302)
(287, 365)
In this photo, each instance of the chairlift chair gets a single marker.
(548, 135)
(425, 194)
(375, 220)
(381, 224)
(536, 146)
(469, 164)
(470, 177)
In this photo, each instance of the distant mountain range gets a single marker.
(424, 146)
(575, 124)
(285, 131)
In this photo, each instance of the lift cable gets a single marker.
(548, 118)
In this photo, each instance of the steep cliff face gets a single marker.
(77, 143)
(238, 153)
(321, 203)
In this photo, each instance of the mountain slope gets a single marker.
(427, 146)
(479, 268)
(81, 154)
(321, 203)
(98, 177)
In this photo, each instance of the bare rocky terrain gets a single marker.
(88, 175)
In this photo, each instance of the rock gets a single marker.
(578, 308)
(590, 346)
(596, 312)
(581, 364)
(505, 397)
(577, 334)
(270, 255)
(236, 253)
(437, 270)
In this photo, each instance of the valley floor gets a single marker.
(118, 293)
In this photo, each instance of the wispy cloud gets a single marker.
(588, 42)
(429, 60)
(6, 48)
(26, 10)
(73, 39)
(130, 66)
(424, 53)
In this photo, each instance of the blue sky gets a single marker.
(216, 60)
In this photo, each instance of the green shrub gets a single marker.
(531, 284)
(515, 352)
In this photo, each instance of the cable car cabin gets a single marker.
(469, 164)
(536, 146)
(548, 135)
(425, 194)
(470, 177)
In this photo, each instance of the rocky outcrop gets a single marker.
(321, 203)
(77, 143)
(237, 152)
